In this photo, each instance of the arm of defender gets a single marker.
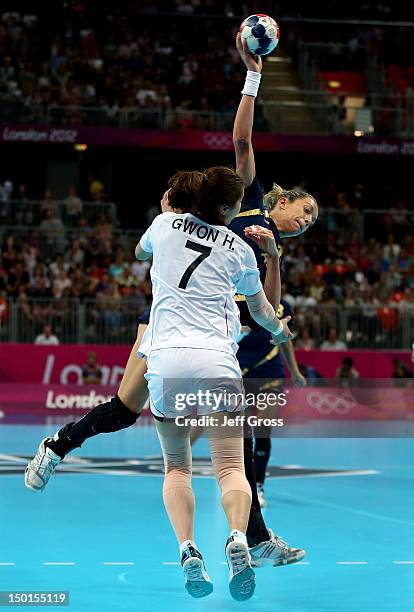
(272, 283)
(264, 314)
(288, 351)
(265, 239)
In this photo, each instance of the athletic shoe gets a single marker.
(261, 495)
(40, 469)
(274, 551)
(197, 581)
(242, 579)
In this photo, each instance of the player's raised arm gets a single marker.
(243, 123)
(245, 163)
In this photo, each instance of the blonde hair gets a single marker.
(272, 197)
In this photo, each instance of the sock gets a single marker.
(185, 544)
(105, 418)
(261, 458)
(238, 535)
(256, 528)
(248, 457)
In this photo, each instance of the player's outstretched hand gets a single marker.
(263, 237)
(285, 333)
(252, 62)
(299, 380)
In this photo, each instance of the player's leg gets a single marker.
(177, 489)
(227, 459)
(256, 529)
(265, 547)
(119, 413)
(262, 449)
(179, 503)
(263, 438)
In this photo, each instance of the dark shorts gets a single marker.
(260, 362)
(145, 317)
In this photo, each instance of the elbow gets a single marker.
(241, 143)
(139, 253)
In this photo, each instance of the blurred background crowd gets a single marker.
(70, 254)
(91, 63)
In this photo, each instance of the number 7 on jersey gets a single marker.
(204, 251)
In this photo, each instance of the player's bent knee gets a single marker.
(177, 478)
(236, 481)
(112, 416)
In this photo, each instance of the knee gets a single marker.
(233, 479)
(112, 416)
(172, 467)
(177, 476)
(236, 481)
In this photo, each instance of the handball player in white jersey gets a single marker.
(190, 345)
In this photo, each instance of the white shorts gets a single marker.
(183, 381)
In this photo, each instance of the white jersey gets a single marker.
(197, 268)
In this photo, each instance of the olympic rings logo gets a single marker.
(218, 141)
(328, 403)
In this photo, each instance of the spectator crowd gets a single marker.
(92, 55)
(112, 62)
(347, 289)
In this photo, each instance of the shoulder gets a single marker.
(164, 216)
(253, 196)
(249, 257)
(236, 243)
(162, 221)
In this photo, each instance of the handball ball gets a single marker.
(261, 34)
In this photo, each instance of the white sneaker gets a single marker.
(242, 579)
(197, 581)
(261, 496)
(40, 469)
(274, 551)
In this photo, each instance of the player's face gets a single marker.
(294, 218)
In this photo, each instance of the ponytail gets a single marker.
(220, 186)
(203, 194)
(184, 190)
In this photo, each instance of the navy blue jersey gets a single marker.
(257, 357)
(253, 212)
(145, 317)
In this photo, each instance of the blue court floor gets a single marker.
(100, 530)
